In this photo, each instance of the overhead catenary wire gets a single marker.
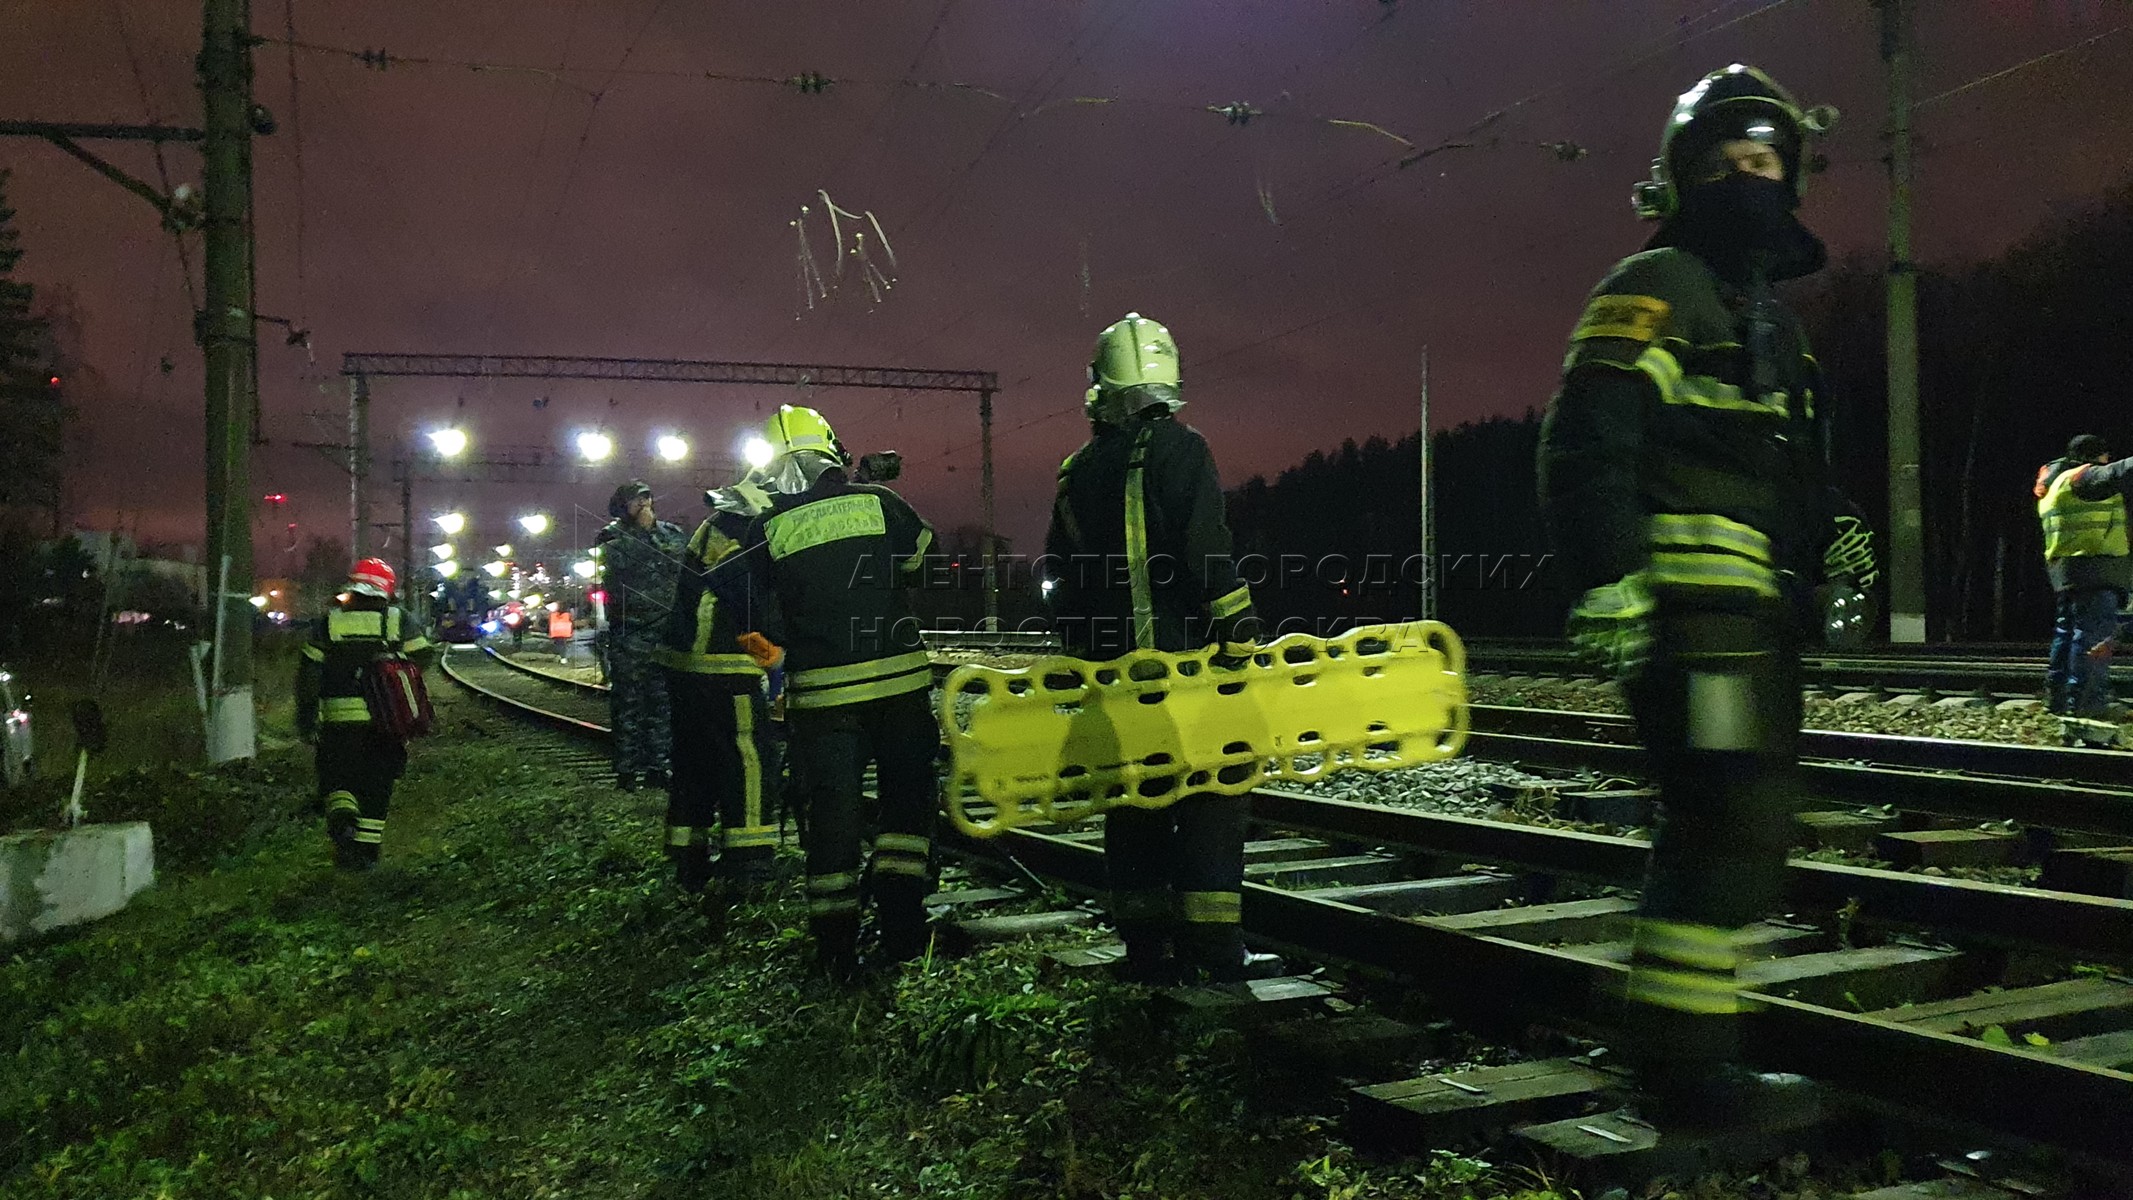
(525, 193)
(2024, 65)
(599, 94)
(148, 110)
(1381, 297)
(1634, 58)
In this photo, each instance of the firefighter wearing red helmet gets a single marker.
(1683, 476)
(358, 753)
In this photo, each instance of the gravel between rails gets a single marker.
(2030, 726)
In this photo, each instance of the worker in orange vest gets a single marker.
(559, 633)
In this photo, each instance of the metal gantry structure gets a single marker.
(361, 368)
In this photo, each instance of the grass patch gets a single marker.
(518, 1004)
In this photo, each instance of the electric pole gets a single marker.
(1907, 552)
(1429, 524)
(992, 578)
(358, 464)
(229, 341)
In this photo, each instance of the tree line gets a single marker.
(2016, 355)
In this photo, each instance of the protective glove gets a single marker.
(1851, 552)
(1234, 656)
(767, 654)
(1611, 626)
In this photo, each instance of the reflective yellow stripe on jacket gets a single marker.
(1137, 543)
(339, 709)
(1705, 550)
(2077, 528)
(1703, 391)
(851, 683)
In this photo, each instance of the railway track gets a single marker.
(1870, 981)
(1990, 673)
(2045, 788)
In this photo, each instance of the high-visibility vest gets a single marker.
(2077, 528)
(559, 626)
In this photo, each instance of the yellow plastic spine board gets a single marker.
(1063, 738)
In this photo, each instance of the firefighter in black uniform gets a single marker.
(837, 557)
(1683, 475)
(1138, 558)
(357, 758)
(723, 760)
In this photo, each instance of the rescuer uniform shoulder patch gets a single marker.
(1638, 318)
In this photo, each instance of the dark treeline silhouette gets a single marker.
(2016, 355)
(1337, 538)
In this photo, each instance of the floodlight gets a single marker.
(449, 442)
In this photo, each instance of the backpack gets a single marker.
(398, 699)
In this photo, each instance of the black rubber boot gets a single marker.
(836, 947)
(1215, 953)
(1689, 1097)
(692, 867)
(900, 910)
(1149, 959)
(341, 814)
(747, 875)
(625, 782)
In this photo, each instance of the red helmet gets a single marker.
(372, 577)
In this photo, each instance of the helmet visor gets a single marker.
(1699, 153)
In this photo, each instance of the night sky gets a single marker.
(611, 199)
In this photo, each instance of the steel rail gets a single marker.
(2090, 926)
(2038, 802)
(1948, 675)
(2017, 1091)
(2049, 1100)
(573, 726)
(549, 677)
(2084, 767)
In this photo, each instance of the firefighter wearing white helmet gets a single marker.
(1143, 495)
(1683, 475)
(837, 559)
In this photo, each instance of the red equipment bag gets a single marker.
(399, 700)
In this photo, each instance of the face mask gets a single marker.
(1743, 222)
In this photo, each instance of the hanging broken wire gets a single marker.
(871, 261)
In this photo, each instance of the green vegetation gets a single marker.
(153, 715)
(518, 1004)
